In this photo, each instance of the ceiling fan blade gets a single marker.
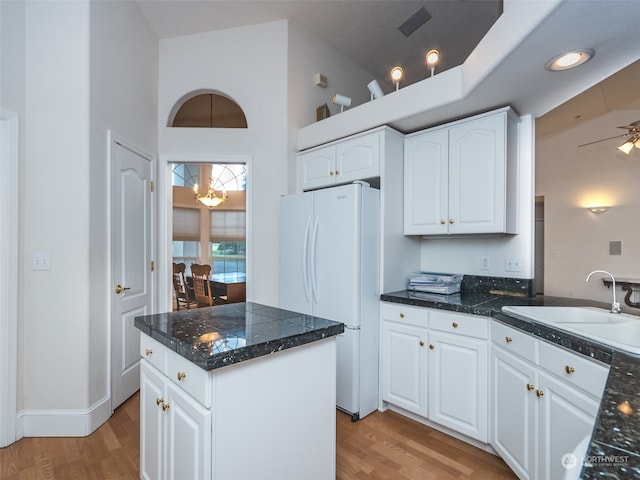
(604, 140)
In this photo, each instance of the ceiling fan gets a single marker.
(632, 135)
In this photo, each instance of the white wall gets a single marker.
(460, 254)
(249, 65)
(572, 178)
(124, 99)
(55, 210)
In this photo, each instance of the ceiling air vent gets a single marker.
(414, 22)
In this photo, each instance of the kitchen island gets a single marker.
(237, 391)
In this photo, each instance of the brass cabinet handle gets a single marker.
(181, 375)
(401, 315)
(331, 173)
(148, 352)
(451, 220)
(539, 393)
(422, 343)
(337, 172)
(530, 387)
(508, 339)
(431, 346)
(454, 324)
(165, 407)
(159, 400)
(119, 288)
(569, 369)
(442, 222)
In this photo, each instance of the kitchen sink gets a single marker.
(618, 330)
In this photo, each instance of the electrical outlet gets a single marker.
(484, 263)
(41, 261)
(512, 264)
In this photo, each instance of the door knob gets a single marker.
(119, 288)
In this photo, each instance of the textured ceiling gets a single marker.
(365, 31)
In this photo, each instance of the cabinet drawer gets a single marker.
(416, 316)
(153, 351)
(515, 341)
(460, 324)
(193, 379)
(577, 369)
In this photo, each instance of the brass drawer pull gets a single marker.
(569, 369)
(401, 315)
(539, 393)
(148, 352)
(508, 339)
(454, 324)
(422, 343)
(530, 387)
(181, 375)
(431, 346)
(159, 400)
(165, 407)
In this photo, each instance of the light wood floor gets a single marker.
(380, 446)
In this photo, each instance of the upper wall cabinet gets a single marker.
(461, 178)
(342, 161)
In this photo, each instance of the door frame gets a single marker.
(9, 276)
(165, 219)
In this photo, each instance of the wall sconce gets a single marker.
(396, 76)
(598, 209)
(432, 58)
(342, 101)
(374, 88)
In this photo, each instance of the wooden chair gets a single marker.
(183, 293)
(201, 287)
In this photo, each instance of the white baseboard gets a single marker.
(63, 423)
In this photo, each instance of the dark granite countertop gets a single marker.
(614, 452)
(218, 336)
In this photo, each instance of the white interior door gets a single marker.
(132, 270)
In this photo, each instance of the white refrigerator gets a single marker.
(329, 267)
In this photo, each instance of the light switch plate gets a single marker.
(41, 261)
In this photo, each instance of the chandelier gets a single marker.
(210, 199)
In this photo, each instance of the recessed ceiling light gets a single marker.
(569, 60)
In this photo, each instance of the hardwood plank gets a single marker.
(382, 446)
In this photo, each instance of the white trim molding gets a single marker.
(9, 254)
(65, 423)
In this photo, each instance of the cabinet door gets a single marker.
(152, 394)
(317, 168)
(514, 405)
(358, 158)
(188, 439)
(404, 366)
(426, 177)
(458, 383)
(477, 176)
(566, 416)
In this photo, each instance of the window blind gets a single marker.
(228, 226)
(186, 224)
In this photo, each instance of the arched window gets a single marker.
(209, 110)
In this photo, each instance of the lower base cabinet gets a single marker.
(544, 402)
(435, 364)
(175, 430)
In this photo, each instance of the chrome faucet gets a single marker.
(615, 306)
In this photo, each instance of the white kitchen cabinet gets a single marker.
(434, 364)
(175, 429)
(544, 401)
(343, 161)
(458, 383)
(404, 357)
(461, 178)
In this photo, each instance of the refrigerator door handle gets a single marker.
(305, 261)
(314, 238)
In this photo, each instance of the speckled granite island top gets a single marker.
(614, 452)
(215, 337)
